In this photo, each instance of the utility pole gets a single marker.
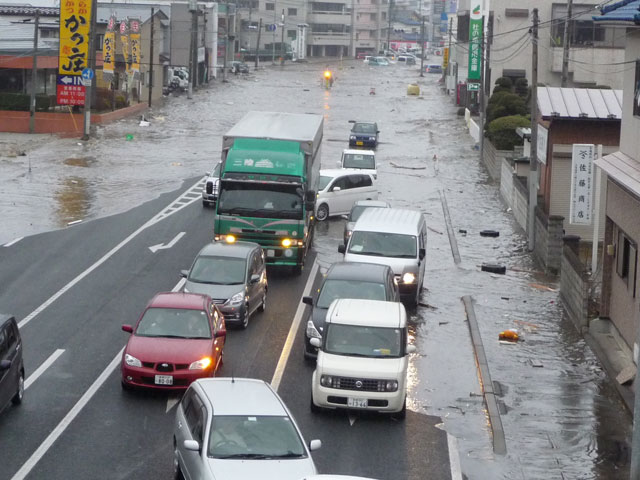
(533, 158)
(151, 57)
(422, 44)
(255, 66)
(193, 5)
(565, 45)
(352, 45)
(389, 28)
(92, 65)
(34, 75)
(481, 93)
(273, 36)
(282, 41)
(449, 56)
(635, 436)
(226, 40)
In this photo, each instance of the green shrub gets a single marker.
(104, 99)
(503, 84)
(522, 87)
(22, 101)
(121, 100)
(505, 105)
(502, 131)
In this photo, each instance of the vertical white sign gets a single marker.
(581, 184)
(541, 146)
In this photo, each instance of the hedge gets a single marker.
(22, 101)
(502, 131)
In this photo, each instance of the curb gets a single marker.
(452, 237)
(499, 442)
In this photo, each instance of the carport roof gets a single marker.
(580, 103)
(623, 12)
(623, 169)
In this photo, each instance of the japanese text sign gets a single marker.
(124, 40)
(75, 21)
(70, 90)
(580, 203)
(475, 41)
(109, 48)
(134, 40)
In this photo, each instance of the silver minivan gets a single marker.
(395, 237)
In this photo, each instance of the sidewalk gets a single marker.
(19, 144)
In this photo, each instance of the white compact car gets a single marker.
(339, 189)
(237, 428)
(362, 358)
(362, 160)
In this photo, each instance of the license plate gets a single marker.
(359, 142)
(164, 380)
(357, 402)
(271, 253)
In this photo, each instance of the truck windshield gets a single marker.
(267, 200)
(356, 160)
(363, 341)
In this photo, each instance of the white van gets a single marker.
(362, 357)
(339, 189)
(363, 160)
(394, 237)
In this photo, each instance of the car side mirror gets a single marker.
(410, 349)
(342, 248)
(255, 278)
(339, 163)
(422, 253)
(336, 189)
(184, 273)
(5, 365)
(192, 445)
(127, 328)
(316, 342)
(307, 300)
(315, 444)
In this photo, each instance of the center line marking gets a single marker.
(40, 370)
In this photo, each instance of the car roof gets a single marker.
(357, 271)
(371, 203)
(242, 396)
(364, 123)
(389, 220)
(238, 249)
(375, 313)
(341, 172)
(356, 151)
(193, 301)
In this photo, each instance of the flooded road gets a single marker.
(561, 416)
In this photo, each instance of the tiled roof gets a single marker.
(625, 11)
(592, 103)
(29, 10)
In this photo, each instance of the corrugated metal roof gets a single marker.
(623, 169)
(626, 11)
(593, 103)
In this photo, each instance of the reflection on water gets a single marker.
(73, 200)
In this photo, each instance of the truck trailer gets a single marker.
(268, 184)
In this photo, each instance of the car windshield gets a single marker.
(324, 181)
(363, 341)
(333, 289)
(216, 170)
(383, 244)
(364, 128)
(254, 437)
(265, 200)
(358, 160)
(218, 270)
(174, 323)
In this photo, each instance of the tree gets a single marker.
(503, 84)
(503, 104)
(502, 131)
(522, 87)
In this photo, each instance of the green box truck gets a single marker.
(268, 184)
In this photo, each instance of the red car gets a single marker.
(178, 338)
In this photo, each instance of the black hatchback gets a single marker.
(11, 364)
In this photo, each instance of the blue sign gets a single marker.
(87, 74)
(69, 80)
(272, 27)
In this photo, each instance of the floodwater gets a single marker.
(561, 415)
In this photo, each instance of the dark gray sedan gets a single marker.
(369, 281)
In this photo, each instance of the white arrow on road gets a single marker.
(163, 246)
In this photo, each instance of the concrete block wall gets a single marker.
(520, 201)
(506, 182)
(574, 286)
(493, 158)
(548, 241)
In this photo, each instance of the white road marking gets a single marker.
(160, 216)
(13, 242)
(352, 420)
(73, 413)
(164, 246)
(171, 402)
(454, 458)
(286, 349)
(40, 370)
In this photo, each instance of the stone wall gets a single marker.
(493, 158)
(574, 284)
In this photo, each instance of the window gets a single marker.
(292, 12)
(292, 34)
(4, 349)
(626, 261)
(11, 336)
(342, 183)
(270, 6)
(636, 93)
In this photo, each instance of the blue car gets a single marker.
(364, 134)
(433, 69)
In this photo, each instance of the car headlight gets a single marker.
(372, 138)
(408, 278)
(201, 364)
(312, 331)
(352, 137)
(349, 232)
(328, 381)
(132, 361)
(391, 386)
(236, 299)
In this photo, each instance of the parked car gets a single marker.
(357, 209)
(347, 280)
(234, 275)
(433, 69)
(367, 58)
(364, 134)
(11, 362)
(362, 55)
(339, 189)
(364, 160)
(238, 428)
(362, 358)
(407, 59)
(380, 61)
(238, 67)
(178, 338)
(211, 186)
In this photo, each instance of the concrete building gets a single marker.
(620, 303)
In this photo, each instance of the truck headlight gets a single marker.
(312, 331)
(132, 361)
(352, 137)
(286, 242)
(372, 139)
(201, 364)
(408, 278)
(235, 300)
